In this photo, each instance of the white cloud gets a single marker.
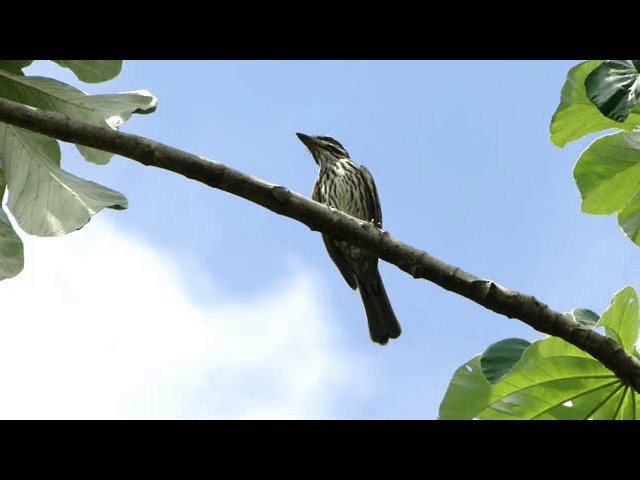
(99, 326)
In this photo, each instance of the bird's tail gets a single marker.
(383, 323)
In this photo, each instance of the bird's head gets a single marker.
(325, 150)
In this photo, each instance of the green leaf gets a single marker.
(44, 199)
(608, 173)
(93, 71)
(108, 111)
(14, 66)
(614, 88)
(585, 317)
(552, 380)
(576, 116)
(121, 106)
(93, 155)
(629, 219)
(628, 405)
(500, 357)
(468, 392)
(551, 373)
(622, 320)
(613, 405)
(11, 250)
(588, 405)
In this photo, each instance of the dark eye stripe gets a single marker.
(331, 141)
(332, 146)
(335, 150)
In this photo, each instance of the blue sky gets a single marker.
(197, 304)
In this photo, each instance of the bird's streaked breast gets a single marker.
(337, 185)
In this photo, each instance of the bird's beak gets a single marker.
(311, 143)
(306, 139)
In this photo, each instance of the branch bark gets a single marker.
(320, 218)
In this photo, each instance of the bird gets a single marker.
(342, 185)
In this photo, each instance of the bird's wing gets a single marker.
(373, 196)
(341, 261)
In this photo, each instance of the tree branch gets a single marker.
(320, 218)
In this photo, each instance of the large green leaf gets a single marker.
(614, 88)
(622, 319)
(108, 111)
(629, 219)
(93, 71)
(11, 250)
(44, 199)
(553, 379)
(608, 173)
(501, 356)
(576, 116)
(468, 393)
(14, 66)
(122, 105)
